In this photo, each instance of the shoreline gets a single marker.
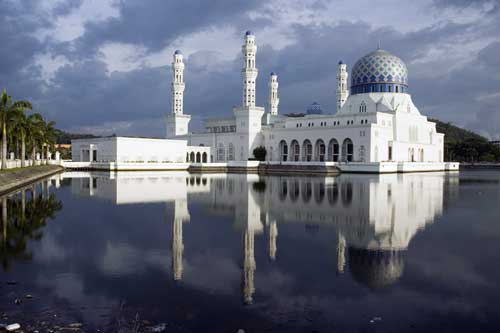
(11, 180)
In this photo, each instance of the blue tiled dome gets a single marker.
(177, 52)
(248, 33)
(273, 73)
(379, 71)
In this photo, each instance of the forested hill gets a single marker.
(465, 146)
(63, 137)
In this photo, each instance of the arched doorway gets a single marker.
(333, 150)
(198, 157)
(307, 150)
(221, 152)
(191, 157)
(204, 158)
(347, 150)
(283, 151)
(320, 150)
(295, 147)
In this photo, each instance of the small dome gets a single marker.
(273, 73)
(248, 33)
(340, 62)
(379, 71)
(314, 108)
(177, 52)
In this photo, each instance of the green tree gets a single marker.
(260, 153)
(19, 130)
(50, 137)
(35, 126)
(8, 109)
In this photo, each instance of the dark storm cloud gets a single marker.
(154, 24)
(84, 94)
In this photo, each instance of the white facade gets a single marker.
(376, 121)
(131, 150)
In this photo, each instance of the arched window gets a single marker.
(333, 150)
(295, 147)
(198, 157)
(230, 152)
(191, 157)
(283, 150)
(204, 158)
(362, 107)
(320, 150)
(307, 150)
(347, 150)
(221, 152)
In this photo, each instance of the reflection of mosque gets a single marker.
(375, 216)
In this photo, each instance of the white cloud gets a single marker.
(71, 26)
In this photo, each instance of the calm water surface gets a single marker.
(218, 253)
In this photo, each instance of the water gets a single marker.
(218, 253)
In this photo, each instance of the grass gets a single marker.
(18, 169)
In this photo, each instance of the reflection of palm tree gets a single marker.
(23, 221)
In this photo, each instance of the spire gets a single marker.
(342, 91)
(378, 45)
(249, 71)
(178, 85)
(273, 99)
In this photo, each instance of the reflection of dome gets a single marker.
(379, 71)
(376, 268)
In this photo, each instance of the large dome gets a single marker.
(379, 71)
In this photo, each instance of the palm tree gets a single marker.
(34, 126)
(19, 128)
(7, 109)
(49, 138)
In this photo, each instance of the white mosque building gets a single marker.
(376, 126)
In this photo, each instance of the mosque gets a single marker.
(376, 127)
(375, 119)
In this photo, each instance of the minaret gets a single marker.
(178, 85)
(342, 91)
(177, 121)
(274, 101)
(248, 116)
(249, 71)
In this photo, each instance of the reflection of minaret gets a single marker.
(340, 253)
(273, 235)
(248, 216)
(181, 215)
(248, 267)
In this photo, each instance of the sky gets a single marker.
(103, 66)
